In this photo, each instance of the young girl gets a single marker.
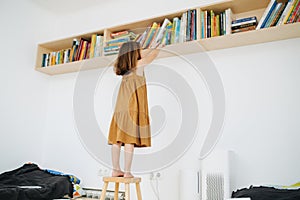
(130, 123)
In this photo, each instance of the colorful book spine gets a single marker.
(188, 27)
(294, 12)
(208, 25)
(278, 14)
(177, 31)
(270, 12)
(93, 45)
(265, 14)
(272, 16)
(212, 24)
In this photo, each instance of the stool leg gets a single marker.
(103, 193)
(127, 191)
(116, 196)
(138, 191)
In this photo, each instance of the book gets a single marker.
(166, 37)
(241, 21)
(195, 24)
(98, 46)
(182, 35)
(177, 31)
(119, 33)
(208, 25)
(93, 45)
(144, 36)
(294, 12)
(244, 29)
(217, 25)
(82, 51)
(221, 23)
(118, 40)
(229, 16)
(270, 12)
(244, 26)
(285, 12)
(266, 14)
(205, 24)
(202, 13)
(111, 48)
(212, 23)
(150, 35)
(174, 24)
(271, 17)
(154, 36)
(188, 26)
(277, 15)
(161, 32)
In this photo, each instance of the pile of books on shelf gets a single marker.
(180, 29)
(118, 38)
(80, 50)
(213, 24)
(278, 13)
(243, 24)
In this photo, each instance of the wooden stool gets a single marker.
(118, 180)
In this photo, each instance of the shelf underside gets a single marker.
(221, 42)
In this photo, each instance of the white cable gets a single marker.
(156, 192)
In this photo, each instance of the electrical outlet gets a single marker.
(155, 176)
(103, 172)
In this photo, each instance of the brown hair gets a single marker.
(129, 54)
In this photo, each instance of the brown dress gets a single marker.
(130, 121)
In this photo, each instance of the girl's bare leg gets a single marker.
(116, 148)
(128, 152)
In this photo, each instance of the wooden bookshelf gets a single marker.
(241, 8)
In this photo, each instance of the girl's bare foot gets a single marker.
(128, 175)
(117, 173)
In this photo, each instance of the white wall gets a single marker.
(261, 86)
(23, 90)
